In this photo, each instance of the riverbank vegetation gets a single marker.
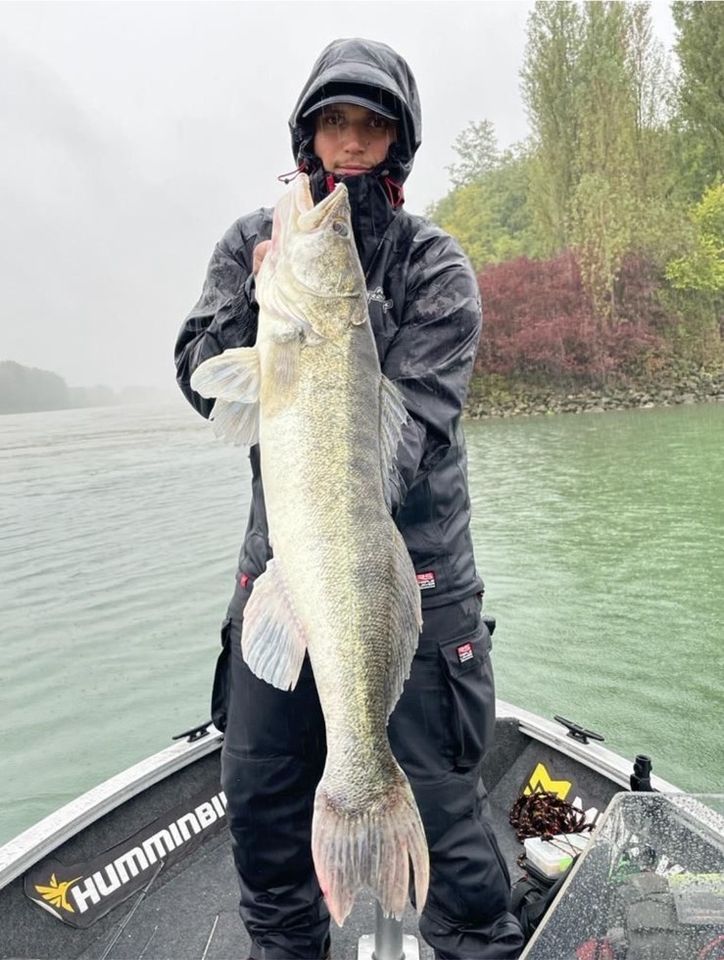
(29, 390)
(599, 242)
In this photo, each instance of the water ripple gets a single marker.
(600, 538)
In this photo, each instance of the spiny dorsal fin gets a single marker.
(393, 417)
(405, 620)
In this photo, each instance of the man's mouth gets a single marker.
(351, 169)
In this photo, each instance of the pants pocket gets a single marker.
(469, 675)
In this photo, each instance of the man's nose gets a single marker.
(354, 140)
(354, 145)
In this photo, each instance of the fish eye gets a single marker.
(340, 227)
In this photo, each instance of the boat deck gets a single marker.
(190, 908)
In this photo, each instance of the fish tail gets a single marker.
(372, 849)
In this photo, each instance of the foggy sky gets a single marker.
(134, 134)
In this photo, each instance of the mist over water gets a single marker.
(600, 539)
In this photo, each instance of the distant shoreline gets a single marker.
(496, 397)
(491, 396)
(32, 390)
(161, 399)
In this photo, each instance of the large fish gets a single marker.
(341, 586)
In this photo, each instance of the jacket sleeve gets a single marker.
(431, 358)
(226, 313)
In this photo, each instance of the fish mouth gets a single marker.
(314, 217)
(303, 195)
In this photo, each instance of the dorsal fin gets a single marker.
(393, 417)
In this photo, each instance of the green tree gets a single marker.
(695, 298)
(551, 82)
(478, 154)
(604, 200)
(489, 213)
(651, 83)
(703, 268)
(700, 94)
(596, 85)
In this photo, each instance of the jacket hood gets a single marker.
(372, 64)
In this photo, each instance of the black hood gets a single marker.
(376, 65)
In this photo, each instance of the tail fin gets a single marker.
(372, 849)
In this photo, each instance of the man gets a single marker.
(358, 119)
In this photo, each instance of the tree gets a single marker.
(551, 81)
(700, 94)
(24, 389)
(604, 204)
(489, 215)
(703, 268)
(595, 83)
(477, 150)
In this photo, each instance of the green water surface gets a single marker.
(600, 538)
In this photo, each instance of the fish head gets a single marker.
(314, 276)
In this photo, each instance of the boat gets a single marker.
(140, 867)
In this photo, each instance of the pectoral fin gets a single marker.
(273, 641)
(233, 375)
(237, 423)
(233, 378)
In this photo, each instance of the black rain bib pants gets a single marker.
(273, 757)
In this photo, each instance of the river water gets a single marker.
(600, 538)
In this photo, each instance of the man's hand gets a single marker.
(260, 251)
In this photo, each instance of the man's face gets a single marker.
(350, 139)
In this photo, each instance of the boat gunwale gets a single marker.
(45, 836)
(610, 765)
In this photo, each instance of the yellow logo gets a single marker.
(56, 893)
(541, 780)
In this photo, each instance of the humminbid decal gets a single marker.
(56, 893)
(81, 893)
(540, 780)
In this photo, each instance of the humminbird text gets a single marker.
(129, 864)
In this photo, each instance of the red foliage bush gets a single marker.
(539, 321)
(636, 288)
